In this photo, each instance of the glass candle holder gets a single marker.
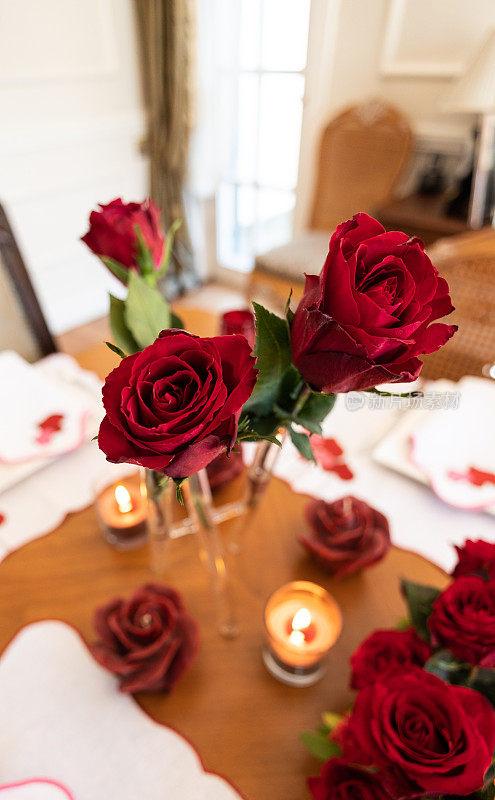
(121, 508)
(302, 622)
(239, 321)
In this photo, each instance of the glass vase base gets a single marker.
(125, 541)
(292, 676)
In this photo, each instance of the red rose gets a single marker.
(463, 620)
(175, 405)
(476, 558)
(341, 781)
(149, 640)
(366, 318)
(224, 468)
(346, 535)
(239, 321)
(112, 232)
(425, 736)
(386, 652)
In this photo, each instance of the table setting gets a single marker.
(258, 523)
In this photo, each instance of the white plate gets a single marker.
(446, 440)
(62, 714)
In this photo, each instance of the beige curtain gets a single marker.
(167, 44)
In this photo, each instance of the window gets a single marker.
(262, 88)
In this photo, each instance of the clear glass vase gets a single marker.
(167, 521)
(257, 480)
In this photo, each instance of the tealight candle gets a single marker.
(122, 511)
(302, 622)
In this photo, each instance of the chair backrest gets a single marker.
(22, 324)
(468, 264)
(362, 153)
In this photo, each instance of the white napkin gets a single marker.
(41, 418)
(61, 715)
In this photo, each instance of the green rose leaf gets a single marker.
(115, 349)
(449, 669)
(320, 745)
(175, 321)
(420, 601)
(483, 681)
(302, 443)
(289, 315)
(314, 411)
(168, 247)
(331, 719)
(147, 313)
(120, 332)
(144, 258)
(116, 267)
(488, 791)
(273, 359)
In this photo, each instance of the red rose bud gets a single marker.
(148, 641)
(175, 406)
(341, 781)
(346, 535)
(367, 317)
(424, 736)
(112, 232)
(463, 620)
(239, 321)
(476, 558)
(385, 653)
(225, 467)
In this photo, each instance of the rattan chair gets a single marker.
(362, 154)
(468, 264)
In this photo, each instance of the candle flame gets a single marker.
(300, 621)
(123, 499)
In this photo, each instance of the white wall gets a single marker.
(406, 51)
(71, 123)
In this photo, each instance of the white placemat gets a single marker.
(36, 789)
(62, 716)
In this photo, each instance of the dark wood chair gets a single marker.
(22, 325)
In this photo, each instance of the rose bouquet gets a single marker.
(423, 722)
(364, 321)
(178, 401)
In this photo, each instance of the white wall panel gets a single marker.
(72, 122)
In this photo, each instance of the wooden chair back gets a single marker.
(362, 154)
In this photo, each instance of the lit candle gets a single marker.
(122, 512)
(302, 622)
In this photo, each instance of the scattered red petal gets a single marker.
(477, 477)
(329, 455)
(49, 427)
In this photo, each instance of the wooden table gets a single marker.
(245, 725)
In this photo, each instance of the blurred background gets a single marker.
(261, 123)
